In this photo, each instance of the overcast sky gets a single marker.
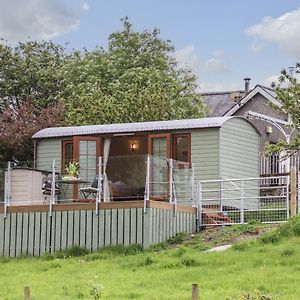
(222, 41)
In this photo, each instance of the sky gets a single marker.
(222, 41)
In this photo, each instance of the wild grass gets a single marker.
(266, 268)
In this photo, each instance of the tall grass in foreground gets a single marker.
(267, 267)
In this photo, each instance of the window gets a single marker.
(67, 154)
(182, 147)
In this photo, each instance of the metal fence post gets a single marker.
(99, 190)
(52, 198)
(199, 204)
(147, 185)
(171, 180)
(242, 203)
(287, 197)
(293, 181)
(7, 188)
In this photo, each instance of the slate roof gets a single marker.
(220, 103)
(131, 127)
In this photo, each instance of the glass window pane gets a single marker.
(83, 147)
(87, 160)
(67, 154)
(182, 149)
(159, 166)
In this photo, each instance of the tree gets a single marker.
(17, 125)
(30, 70)
(288, 94)
(135, 79)
(30, 83)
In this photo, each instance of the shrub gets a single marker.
(74, 251)
(133, 249)
(270, 237)
(242, 246)
(290, 228)
(158, 247)
(178, 238)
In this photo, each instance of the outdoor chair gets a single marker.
(46, 188)
(90, 190)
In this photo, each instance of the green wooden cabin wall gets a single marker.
(205, 153)
(239, 148)
(46, 151)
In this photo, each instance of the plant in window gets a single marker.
(72, 170)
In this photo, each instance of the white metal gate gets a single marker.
(238, 201)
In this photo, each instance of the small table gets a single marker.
(68, 183)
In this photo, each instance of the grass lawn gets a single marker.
(270, 265)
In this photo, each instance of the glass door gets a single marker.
(159, 149)
(87, 150)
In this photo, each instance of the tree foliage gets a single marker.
(288, 94)
(30, 70)
(17, 125)
(135, 79)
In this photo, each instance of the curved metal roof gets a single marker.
(131, 127)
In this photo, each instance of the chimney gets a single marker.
(247, 85)
(291, 71)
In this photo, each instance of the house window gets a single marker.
(67, 154)
(182, 147)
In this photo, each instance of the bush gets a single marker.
(289, 229)
(74, 251)
(242, 246)
(158, 247)
(270, 237)
(178, 238)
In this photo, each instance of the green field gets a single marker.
(269, 265)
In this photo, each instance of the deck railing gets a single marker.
(277, 164)
(133, 177)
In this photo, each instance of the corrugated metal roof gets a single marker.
(131, 127)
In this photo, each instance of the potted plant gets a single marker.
(72, 171)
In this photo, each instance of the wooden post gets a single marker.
(293, 191)
(195, 291)
(26, 293)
